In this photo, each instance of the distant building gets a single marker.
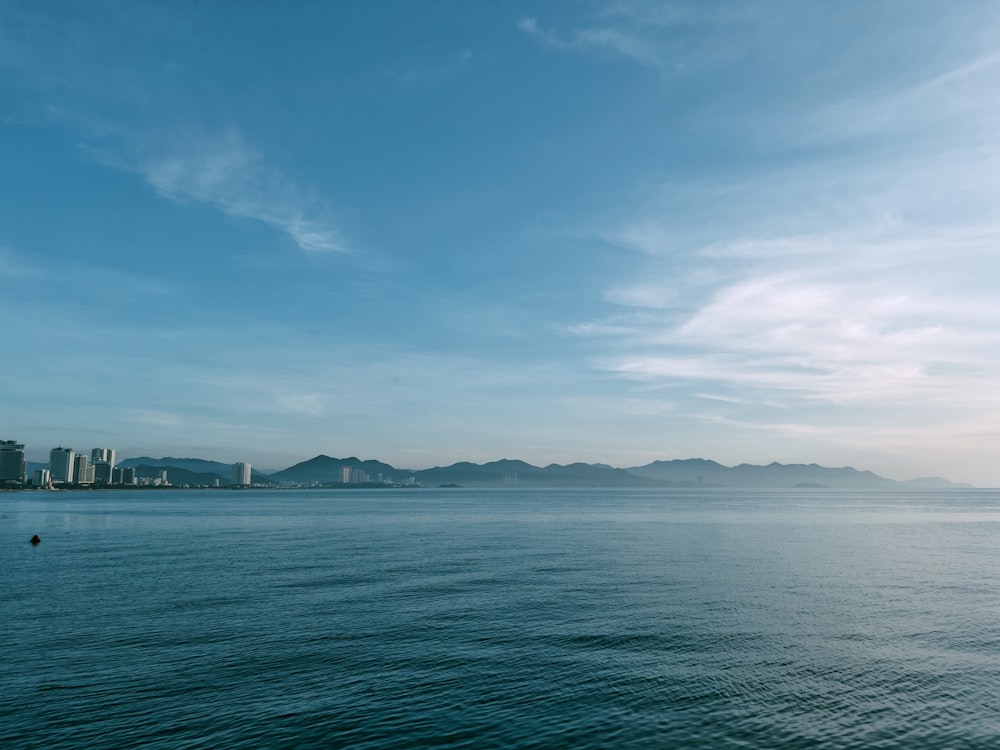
(241, 474)
(107, 455)
(345, 474)
(83, 472)
(12, 464)
(124, 475)
(61, 464)
(42, 478)
(102, 472)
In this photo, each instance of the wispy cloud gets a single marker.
(615, 41)
(855, 286)
(834, 319)
(128, 117)
(225, 172)
(939, 98)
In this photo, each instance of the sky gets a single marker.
(605, 231)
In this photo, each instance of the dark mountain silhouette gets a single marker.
(197, 465)
(326, 469)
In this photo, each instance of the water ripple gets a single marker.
(520, 619)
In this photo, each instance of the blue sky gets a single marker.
(430, 232)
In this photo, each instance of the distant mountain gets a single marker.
(194, 466)
(326, 469)
(190, 464)
(698, 471)
(692, 472)
(518, 473)
(151, 468)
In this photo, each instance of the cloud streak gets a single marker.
(127, 118)
(617, 42)
(852, 286)
(226, 173)
(820, 319)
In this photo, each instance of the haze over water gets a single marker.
(506, 618)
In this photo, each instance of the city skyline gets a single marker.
(67, 466)
(618, 232)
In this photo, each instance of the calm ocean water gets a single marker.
(475, 619)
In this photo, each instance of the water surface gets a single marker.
(506, 618)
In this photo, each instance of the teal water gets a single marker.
(506, 618)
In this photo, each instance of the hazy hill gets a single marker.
(522, 474)
(495, 473)
(468, 473)
(178, 476)
(193, 466)
(197, 465)
(699, 471)
(932, 483)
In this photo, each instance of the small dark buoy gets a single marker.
(36, 539)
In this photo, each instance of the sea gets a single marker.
(500, 618)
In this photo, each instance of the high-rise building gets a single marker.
(345, 474)
(61, 464)
(103, 454)
(12, 465)
(42, 478)
(83, 472)
(241, 474)
(123, 475)
(102, 472)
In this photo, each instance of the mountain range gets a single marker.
(692, 472)
(195, 471)
(678, 473)
(698, 471)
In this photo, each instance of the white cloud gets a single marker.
(839, 324)
(643, 296)
(228, 174)
(846, 294)
(528, 25)
(940, 97)
(619, 42)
